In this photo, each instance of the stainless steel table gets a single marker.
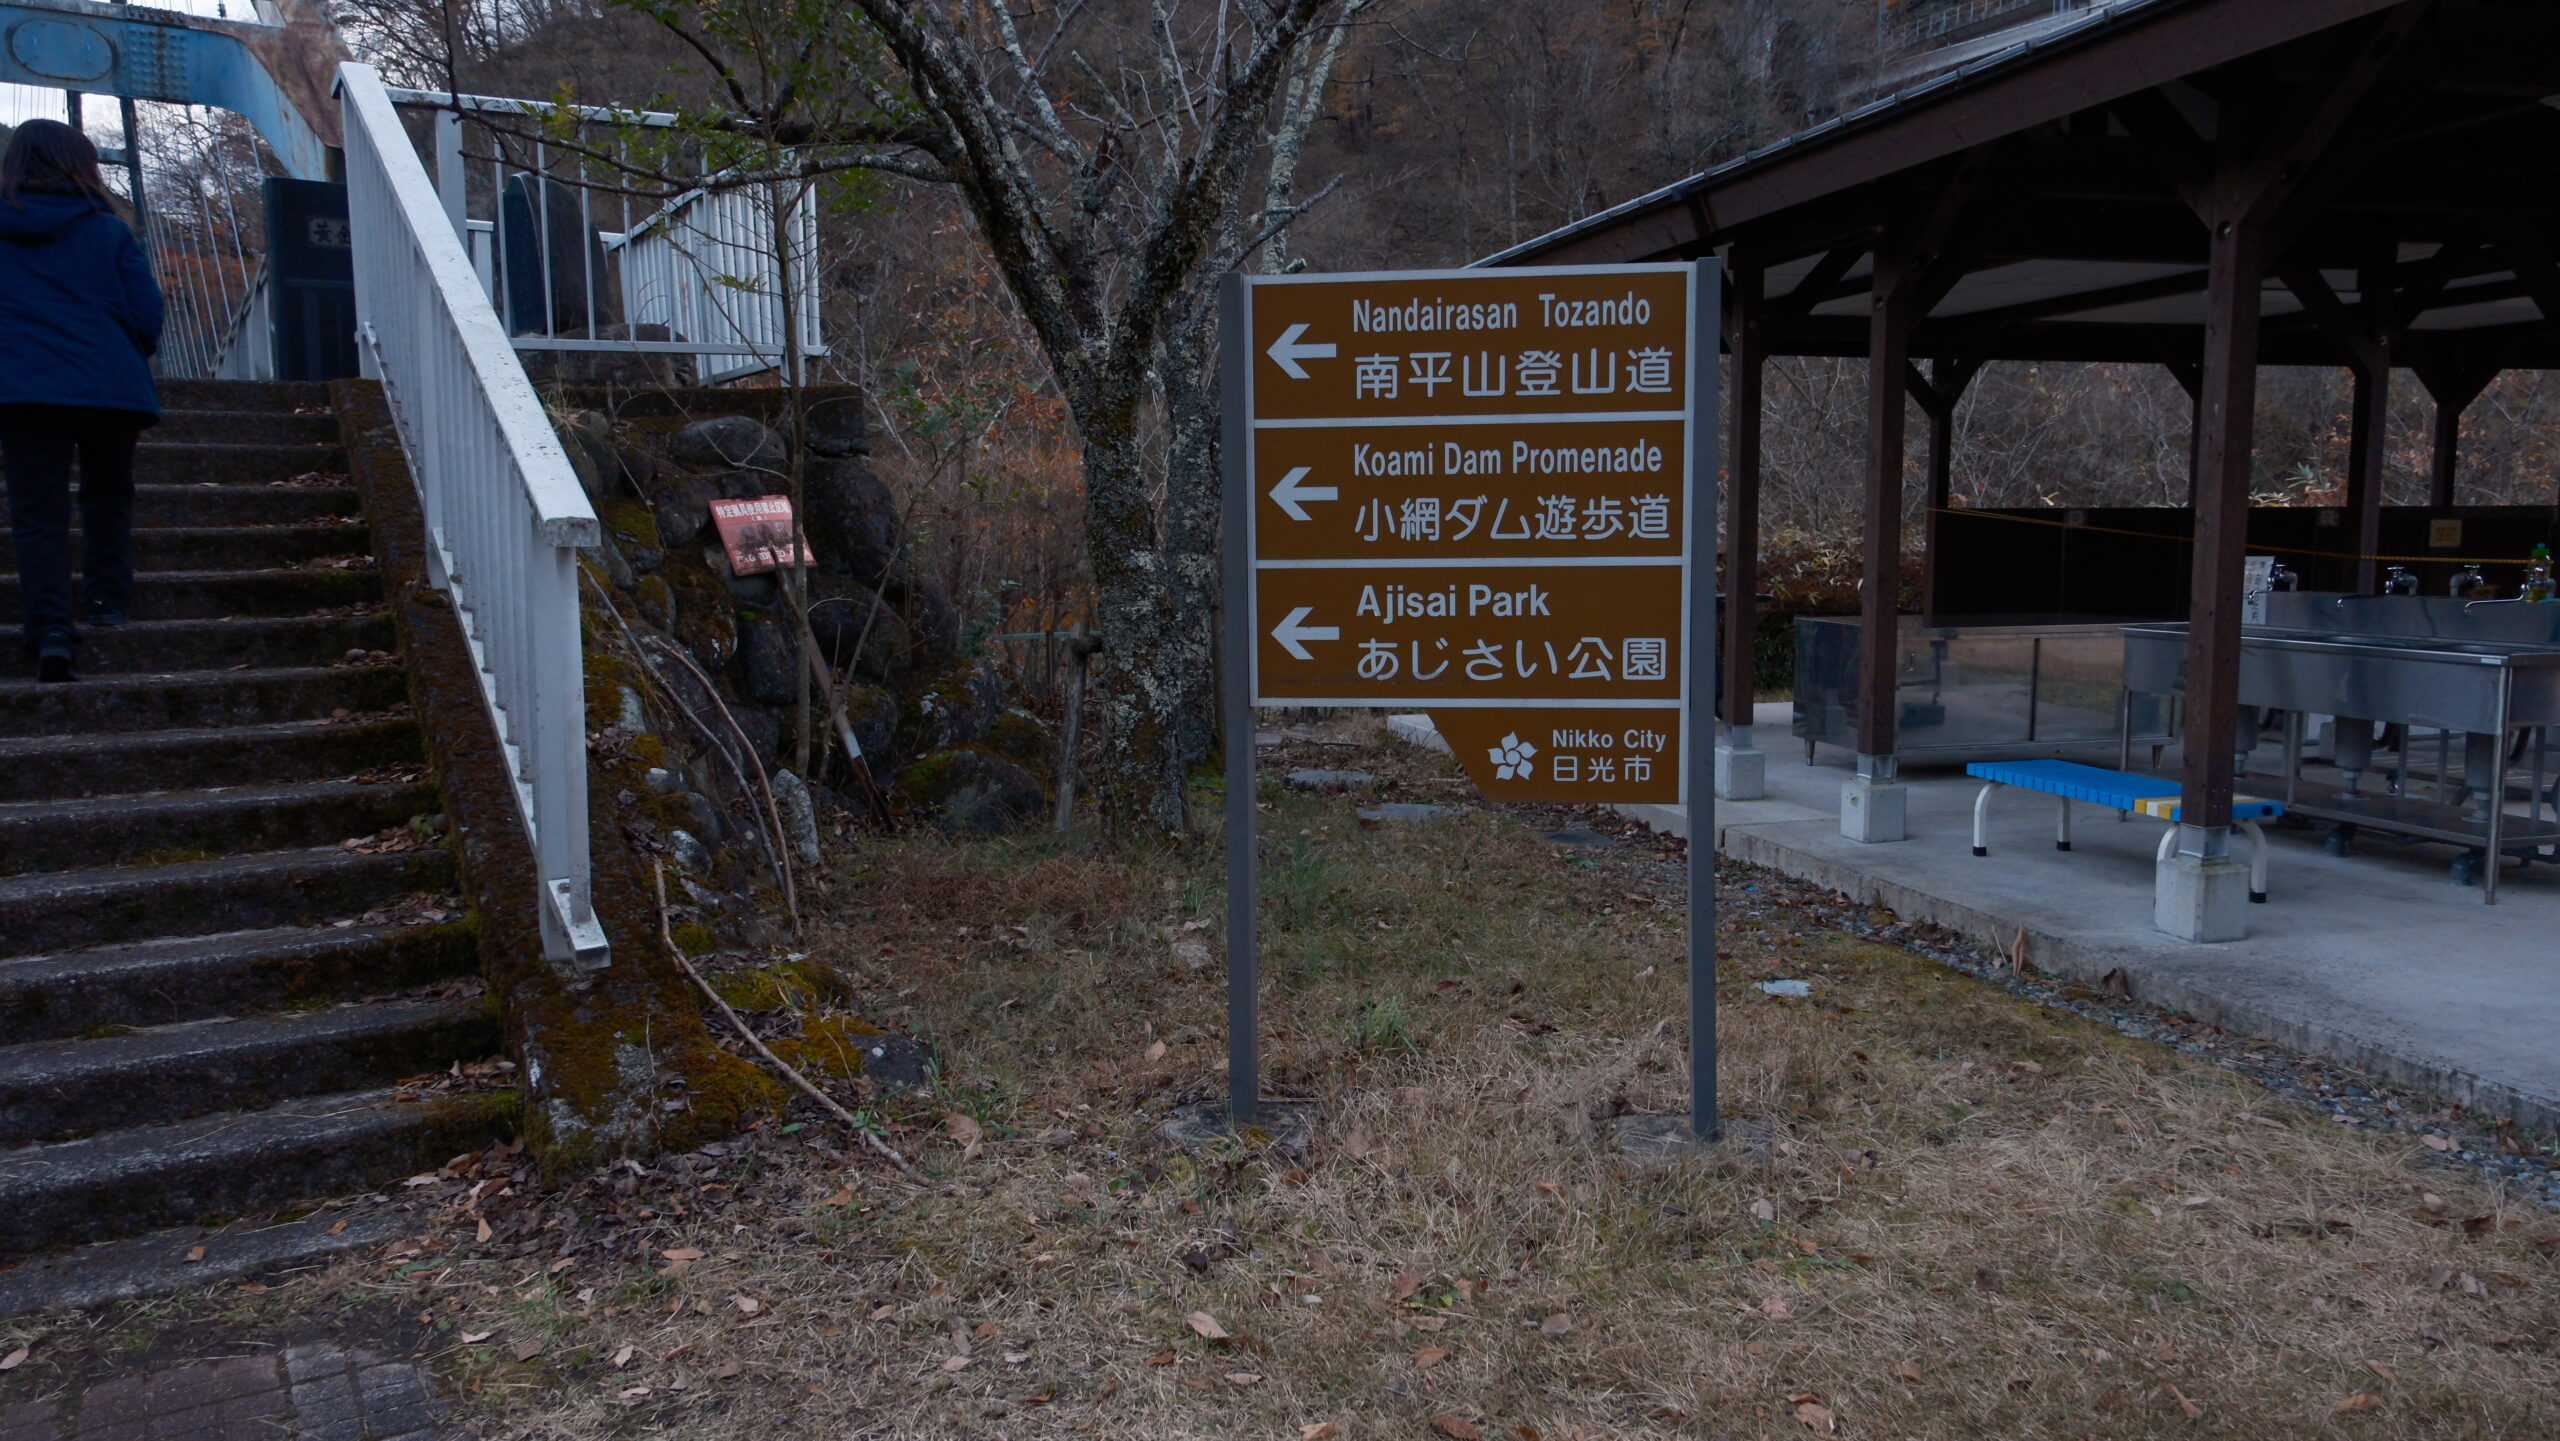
(2478, 687)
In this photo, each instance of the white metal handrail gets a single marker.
(705, 267)
(505, 514)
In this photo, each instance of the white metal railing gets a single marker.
(505, 514)
(704, 266)
(699, 276)
(1948, 19)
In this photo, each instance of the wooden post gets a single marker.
(1746, 335)
(2224, 440)
(2453, 389)
(2368, 446)
(1879, 637)
(2365, 457)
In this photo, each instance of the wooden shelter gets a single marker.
(2209, 185)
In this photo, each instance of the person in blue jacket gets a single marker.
(79, 322)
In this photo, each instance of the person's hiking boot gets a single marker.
(53, 655)
(104, 615)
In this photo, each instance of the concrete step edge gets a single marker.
(123, 1182)
(155, 1075)
(173, 979)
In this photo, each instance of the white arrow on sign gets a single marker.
(1287, 351)
(1291, 633)
(1291, 496)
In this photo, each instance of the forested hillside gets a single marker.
(1453, 128)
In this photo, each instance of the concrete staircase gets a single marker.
(229, 927)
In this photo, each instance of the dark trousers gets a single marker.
(37, 443)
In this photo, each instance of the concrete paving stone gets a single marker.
(244, 1376)
(389, 1383)
(398, 1420)
(262, 1408)
(115, 1403)
(29, 1421)
(327, 1400)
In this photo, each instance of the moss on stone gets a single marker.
(786, 985)
(694, 939)
(704, 621)
(829, 1045)
(631, 522)
(1021, 739)
(607, 676)
(656, 600)
(929, 781)
(669, 813)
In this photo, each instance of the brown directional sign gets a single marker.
(1598, 341)
(1477, 493)
(1474, 635)
(1471, 491)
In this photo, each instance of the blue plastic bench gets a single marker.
(2117, 791)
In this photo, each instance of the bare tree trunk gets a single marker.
(1149, 601)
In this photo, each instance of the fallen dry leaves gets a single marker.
(1893, 1172)
(971, 1136)
(1206, 1326)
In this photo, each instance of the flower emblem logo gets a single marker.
(1512, 760)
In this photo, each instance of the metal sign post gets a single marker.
(1490, 494)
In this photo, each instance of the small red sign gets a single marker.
(758, 534)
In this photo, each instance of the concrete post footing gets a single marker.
(2201, 898)
(1742, 772)
(1873, 811)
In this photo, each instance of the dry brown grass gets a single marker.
(1974, 1217)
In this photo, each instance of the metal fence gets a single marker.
(1938, 22)
(505, 514)
(204, 231)
(705, 267)
(575, 261)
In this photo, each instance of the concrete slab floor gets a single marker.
(307, 1393)
(2377, 960)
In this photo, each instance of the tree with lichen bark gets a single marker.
(1107, 164)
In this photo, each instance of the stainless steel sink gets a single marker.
(2423, 681)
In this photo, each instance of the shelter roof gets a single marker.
(2054, 182)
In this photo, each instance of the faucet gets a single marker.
(2471, 605)
(2400, 581)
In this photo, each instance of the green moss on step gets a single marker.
(792, 985)
(828, 1045)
